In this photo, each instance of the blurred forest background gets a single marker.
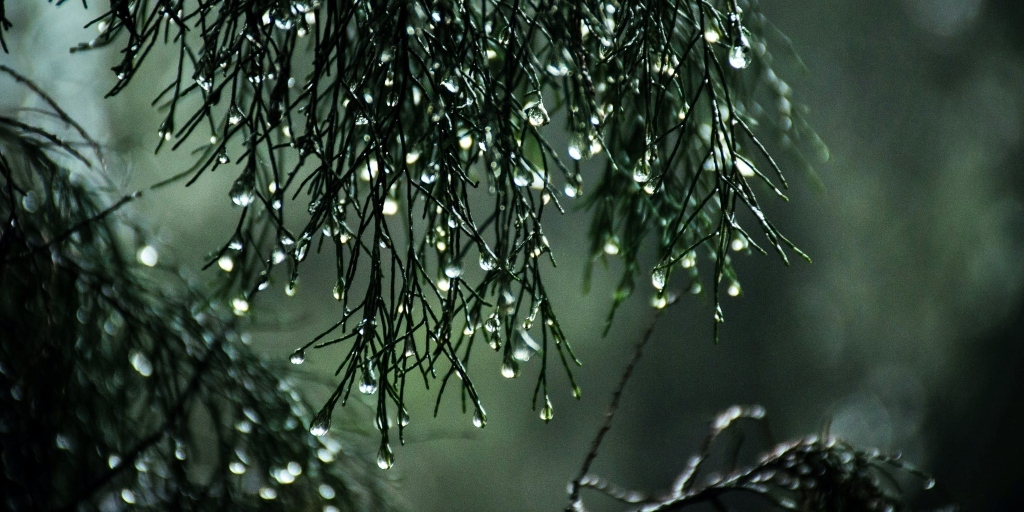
(905, 332)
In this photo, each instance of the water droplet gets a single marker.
(547, 412)
(239, 306)
(283, 23)
(711, 35)
(929, 484)
(510, 368)
(226, 263)
(451, 85)
(658, 278)
(403, 417)
(243, 191)
(487, 263)
(268, 493)
(479, 417)
(576, 148)
(113, 461)
(734, 289)
(301, 248)
(321, 423)
(235, 115)
(385, 457)
(292, 287)
(390, 206)
(453, 270)
(128, 496)
(739, 243)
(537, 115)
(493, 323)
(740, 54)
(237, 467)
(282, 476)
(298, 357)
(387, 55)
(368, 384)
(642, 171)
(147, 255)
(611, 245)
(412, 157)
(338, 292)
(577, 392)
(141, 363)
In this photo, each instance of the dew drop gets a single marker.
(237, 468)
(243, 191)
(298, 357)
(642, 171)
(487, 263)
(235, 115)
(326, 492)
(368, 384)
(268, 493)
(658, 278)
(128, 496)
(479, 417)
(510, 368)
(493, 323)
(226, 263)
(734, 290)
(239, 306)
(611, 245)
(390, 206)
(385, 457)
(575, 150)
(321, 423)
(451, 85)
(141, 363)
(929, 484)
(453, 270)
(147, 255)
(537, 115)
(301, 248)
(547, 412)
(403, 417)
(739, 55)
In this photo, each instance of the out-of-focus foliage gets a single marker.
(812, 473)
(120, 385)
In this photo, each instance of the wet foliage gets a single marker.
(120, 384)
(818, 472)
(420, 144)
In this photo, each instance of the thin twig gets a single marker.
(609, 415)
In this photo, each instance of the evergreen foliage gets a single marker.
(121, 383)
(419, 144)
(417, 138)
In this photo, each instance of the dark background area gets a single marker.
(904, 334)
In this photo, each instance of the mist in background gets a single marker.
(905, 333)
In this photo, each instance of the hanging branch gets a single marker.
(417, 137)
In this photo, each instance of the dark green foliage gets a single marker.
(118, 382)
(813, 473)
(417, 138)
